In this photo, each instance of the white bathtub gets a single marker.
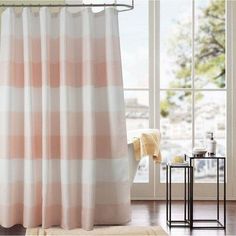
(133, 164)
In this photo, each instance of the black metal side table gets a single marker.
(191, 159)
(188, 180)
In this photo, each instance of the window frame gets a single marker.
(194, 90)
(154, 95)
(230, 9)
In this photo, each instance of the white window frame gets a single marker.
(146, 191)
(231, 73)
(230, 87)
(154, 97)
(193, 90)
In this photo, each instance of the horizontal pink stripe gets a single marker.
(75, 74)
(64, 194)
(67, 218)
(74, 49)
(103, 123)
(79, 147)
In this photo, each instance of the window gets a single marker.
(135, 62)
(193, 87)
(134, 49)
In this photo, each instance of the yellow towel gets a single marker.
(148, 144)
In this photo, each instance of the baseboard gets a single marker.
(176, 198)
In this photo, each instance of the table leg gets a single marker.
(170, 194)
(189, 188)
(217, 189)
(224, 193)
(167, 196)
(191, 197)
(185, 194)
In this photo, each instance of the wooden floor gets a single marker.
(145, 213)
(154, 213)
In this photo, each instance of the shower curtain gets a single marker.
(63, 149)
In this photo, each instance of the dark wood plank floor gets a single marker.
(145, 213)
(151, 213)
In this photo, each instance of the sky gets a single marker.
(134, 38)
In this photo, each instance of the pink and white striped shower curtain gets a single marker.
(63, 150)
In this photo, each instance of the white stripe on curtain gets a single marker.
(63, 153)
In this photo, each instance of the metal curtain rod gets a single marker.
(126, 6)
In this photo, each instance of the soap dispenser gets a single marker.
(211, 145)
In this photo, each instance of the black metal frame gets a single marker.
(217, 220)
(187, 222)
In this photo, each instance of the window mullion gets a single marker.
(193, 73)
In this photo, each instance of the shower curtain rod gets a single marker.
(126, 6)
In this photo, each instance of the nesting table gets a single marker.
(188, 176)
(188, 217)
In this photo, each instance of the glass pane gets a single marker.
(134, 45)
(210, 44)
(175, 43)
(176, 127)
(137, 109)
(142, 175)
(210, 116)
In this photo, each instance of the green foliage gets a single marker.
(181, 52)
(209, 54)
(164, 108)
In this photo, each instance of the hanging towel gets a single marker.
(148, 144)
